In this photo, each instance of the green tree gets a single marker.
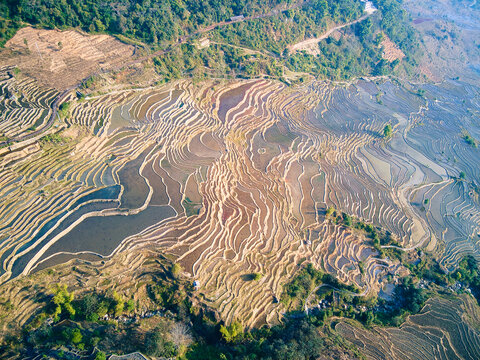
(156, 345)
(387, 131)
(62, 300)
(118, 304)
(72, 336)
(76, 336)
(330, 211)
(347, 219)
(231, 332)
(176, 270)
(257, 276)
(130, 305)
(100, 356)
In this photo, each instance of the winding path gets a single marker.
(309, 42)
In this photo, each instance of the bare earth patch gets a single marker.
(63, 58)
(391, 51)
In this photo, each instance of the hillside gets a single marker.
(269, 27)
(289, 184)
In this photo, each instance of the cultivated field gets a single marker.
(440, 331)
(60, 59)
(234, 178)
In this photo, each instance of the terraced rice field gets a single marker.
(24, 105)
(234, 178)
(438, 332)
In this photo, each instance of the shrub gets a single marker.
(257, 276)
(100, 356)
(231, 332)
(387, 131)
(62, 300)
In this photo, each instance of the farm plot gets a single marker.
(438, 332)
(234, 178)
(24, 105)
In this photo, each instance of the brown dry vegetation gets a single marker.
(391, 51)
(128, 274)
(450, 33)
(61, 59)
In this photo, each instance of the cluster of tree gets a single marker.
(357, 53)
(88, 335)
(338, 217)
(64, 109)
(153, 22)
(91, 307)
(408, 299)
(296, 290)
(94, 306)
(379, 237)
(52, 138)
(429, 269)
(157, 344)
(468, 274)
(295, 339)
(203, 338)
(216, 61)
(62, 301)
(232, 332)
(81, 323)
(396, 23)
(469, 140)
(169, 295)
(161, 24)
(387, 131)
(206, 338)
(274, 34)
(9, 23)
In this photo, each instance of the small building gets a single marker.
(237, 18)
(196, 284)
(369, 7)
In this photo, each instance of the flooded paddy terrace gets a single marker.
(235, 178)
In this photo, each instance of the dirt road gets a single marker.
(309, 42)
